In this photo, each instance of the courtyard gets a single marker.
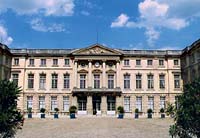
(95, 127)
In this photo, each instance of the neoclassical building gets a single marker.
(96, 78)
(5, 62)
(190, 62)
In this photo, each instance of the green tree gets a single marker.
(187, 115)
(10, 117)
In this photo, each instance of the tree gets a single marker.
(187, 115)
(10, 117)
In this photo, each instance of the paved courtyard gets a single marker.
(95, 127)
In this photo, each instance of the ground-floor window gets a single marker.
(54, 102)
(82, 102)
(29, 102)
(96, 103)
(127, 104)
(111, 102)
(65, 103)
(139, 103)
(41, 102)
(162, 102)
(151, 103)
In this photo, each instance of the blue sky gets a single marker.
(125, 24)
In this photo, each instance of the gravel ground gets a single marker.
(95, 127)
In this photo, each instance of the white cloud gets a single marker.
(4, 38)
(158, 14)
(38, 25)
(120, 21)
(46, 7)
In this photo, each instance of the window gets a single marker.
(139, 103)
(41, 102)
(110, 81)
(149, 62)
(126, 62)
(82, 81)
(82, 102)
(42, 84)
(16, 61)
(176, 102)
(138, 81)
(126, 81)
(30, 81)
(66, 81)
(176, 81)
(176, 62)
(54, 103)
(54, 81)
(111, 100)
(161, 62)
(127, 104)
(29, 102)
(96, 81)
(162, 102)
(151, 103)
(67, 62)
(55, 62)
(65, 103)
(162, 81)
(43, 62)
(150, 81)
(138, 62)
(15, 78)
(31, 62)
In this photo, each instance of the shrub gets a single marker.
(120, 109)
(149, 111)
(72, 109)
(56, 109)
(29, 110)
(42, 110)
(136, 110)
(162, 110)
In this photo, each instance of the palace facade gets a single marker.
(5, 62)
(190, 62)
(96, 78)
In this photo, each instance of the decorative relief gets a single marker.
(96, 50)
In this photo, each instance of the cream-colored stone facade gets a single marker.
(96, 78)
(190, 62)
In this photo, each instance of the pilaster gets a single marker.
(104, 75)
(104, 105)
(89, 105)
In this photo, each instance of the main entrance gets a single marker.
(96, 104)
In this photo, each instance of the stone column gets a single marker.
(118, 75)
(104, 105)
(119, 101)
(104, 75)
(60, 103)
(35, 103)
(89, 105)
(133, 103)
(144, 103)
(156, 104)
(75, 74)
(74, 101)
(48, 102)
(90, 74)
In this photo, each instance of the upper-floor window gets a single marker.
(149, 62)
(110, 81)
(138, 81)
(67, 62)
(176, 62)
(30, 81)
(150, 81)
(43, 62)
(54, 81)
(82, 81)
(55, 62)
(96, 81)
(138, 62)
(177, 81)
(15, 78)
(16, 61)
(162, 81)
(126, 81)
(31, 62)
(42, 81)
(161, 62)
(66, 81)
(126, 62)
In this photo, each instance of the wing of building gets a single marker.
(96, 78)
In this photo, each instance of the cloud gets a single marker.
(120, 21)
(38, 25)
(158, 14)
(4, 38)
(46, 7)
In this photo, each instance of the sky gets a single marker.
(124, 24)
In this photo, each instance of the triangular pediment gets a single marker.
(96, 49)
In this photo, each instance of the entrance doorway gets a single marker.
(96, 103)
